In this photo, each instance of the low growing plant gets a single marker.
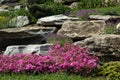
(111, 70)
(89, 4)
(110, 30)
(56, 38)
(85, 4)
(68, 58)
(82, 14)
(4, 22)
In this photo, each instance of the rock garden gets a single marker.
(60, 40)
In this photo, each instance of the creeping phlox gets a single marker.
(68, 58)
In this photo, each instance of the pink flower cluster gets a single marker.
(68, 58)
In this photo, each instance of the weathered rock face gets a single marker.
(107, 44)
(65, 1)
(24, 35)
(55, 20)
(109, 19)
(19, 21)
(27, 49)
(82, 29)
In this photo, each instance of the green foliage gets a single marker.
(90, 4)
(47, 9)
(4, 21)
(58, 39)
(111, 13)
(5, 17)
(111, 70)
(51, 76)
(108, 10)
(110, 30)
(39, 1)
(24, 12)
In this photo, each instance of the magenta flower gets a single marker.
(69, 58)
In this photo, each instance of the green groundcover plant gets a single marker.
(110, 30)
(111, 70)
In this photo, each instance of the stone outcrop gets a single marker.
(24, 35)
(82, 29)
(27, 49)
(107, 44)
(55, 20)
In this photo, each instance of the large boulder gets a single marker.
(82, 29)
(55, 20)
(107, 44)
(109, 19)
(27, 49)
(24, 35)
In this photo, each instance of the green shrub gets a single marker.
(110, 30)
(111, 70)
(39, 1)
(5, 17)
(25, 13)
(47, 9)
(111, 13)
(4, 21)
(54, 38)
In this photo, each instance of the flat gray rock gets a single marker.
(55, 20)
(27, 49)
(24, 35)
(103, 17)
